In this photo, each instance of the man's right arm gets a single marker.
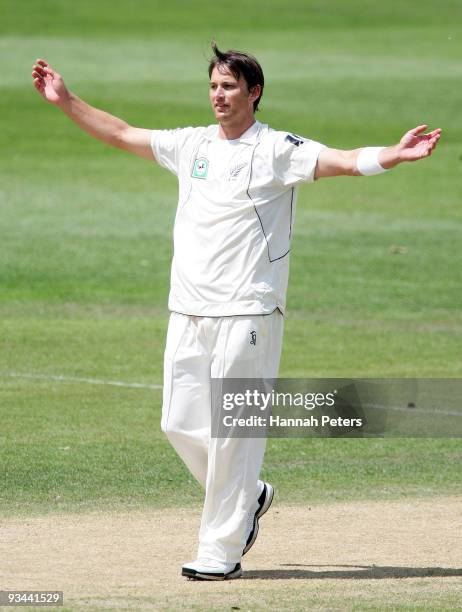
(97, 123)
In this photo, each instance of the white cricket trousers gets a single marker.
(198, 349)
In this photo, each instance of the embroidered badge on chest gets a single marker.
(236, 169)
(200, 168)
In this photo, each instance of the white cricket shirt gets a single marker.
(235, 215)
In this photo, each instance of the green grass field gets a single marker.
(86, 239)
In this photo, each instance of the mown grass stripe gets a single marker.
(90, 381)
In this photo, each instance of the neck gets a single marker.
(232, 132)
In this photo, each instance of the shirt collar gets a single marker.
(248, 137)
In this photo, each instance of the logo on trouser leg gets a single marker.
(253, 338)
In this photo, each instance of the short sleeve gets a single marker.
(295, 158)
(168, 145)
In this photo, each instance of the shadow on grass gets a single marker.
(352, 572)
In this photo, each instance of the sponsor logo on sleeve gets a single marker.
(294, 139)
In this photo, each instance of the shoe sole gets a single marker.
(262, 511)
(193, 575)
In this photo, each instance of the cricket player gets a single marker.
(238, 182)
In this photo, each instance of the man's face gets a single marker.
(230, 97)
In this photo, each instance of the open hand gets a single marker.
(49, 83)
(414, 145)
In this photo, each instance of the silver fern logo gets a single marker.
(234, 171)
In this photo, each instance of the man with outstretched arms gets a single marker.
(238, 182)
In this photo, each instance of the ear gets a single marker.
(254, 92)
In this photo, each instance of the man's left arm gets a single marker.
(414, 145)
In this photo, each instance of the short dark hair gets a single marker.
(239, 64)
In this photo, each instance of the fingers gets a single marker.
(38, 72)
(39, 85)
(424, 143)
(435, 133)
(37, 75)
(421, 128)
(40, 64)
(418, 130)
(433, 137)
(420, 146)
(39, 81)
(432, 142)
(42, 69)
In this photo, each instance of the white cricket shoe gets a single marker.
(208, 569)
(263, 504)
